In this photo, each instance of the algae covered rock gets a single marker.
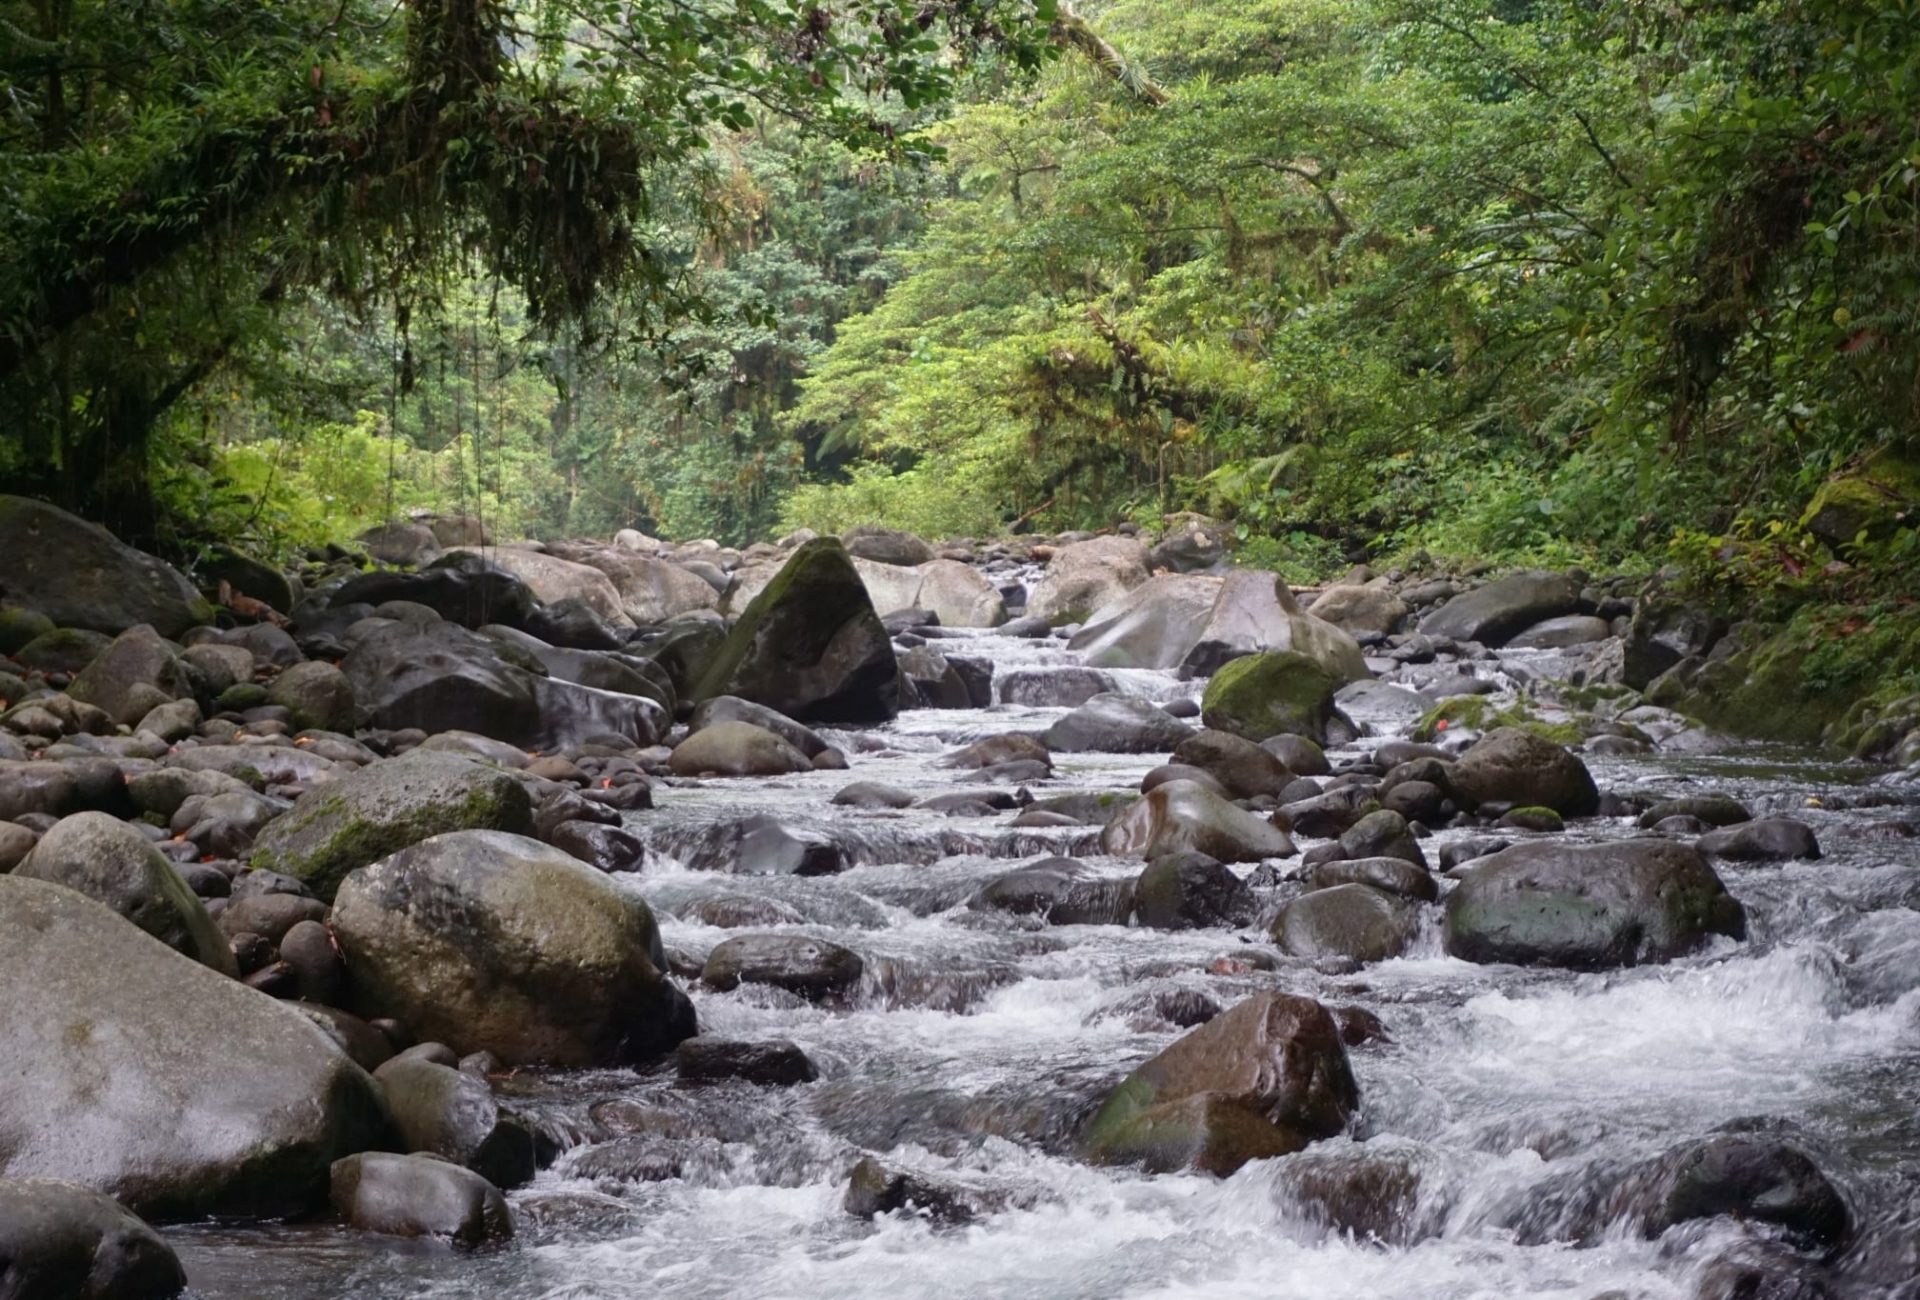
(80, 576)
(360, 818)
(1262, 695)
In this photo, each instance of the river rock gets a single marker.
(1066, 687)
(1588, 906)
(62, 1241)
(1513, 766)
(111, 863)
(225, 825)
(1265, 1078)
(316, 696)
(489, 941)
(737, 749)
(115, 1041)
(1255, 612)
(874, 1188)
(80, 576)
(1359, 609)
(777, 1064)
(959, 595)
(15, 843)
(731, 708)
(886, 545)
(29, 787)
(650, 590)
(554, 581)
(810, 645)
(1086, 576)
(462, 588)
(1060, 891)
(348, 823)
(440, 1111)
(417, 1196)
(1185, 891)
(1244, 768)
(1562, 632)
(1396, 876)
(1770, 839)
(1753, 1177)
(1181, 817)
(1502, 609)
(1116, 724)
(1007, 747)
(1354, 921)
(1152, 626)
(1665, 630)
(1382, 833)
(1267, 694)
(136, 673)
(812, 968)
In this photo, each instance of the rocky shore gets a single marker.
(291, 885)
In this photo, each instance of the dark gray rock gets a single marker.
(62, 1241)
(1183, 891)
(1513, 766)
(448, 1113)
(1060, 891)
(813, 968)
(774, 1064)
(1353, 921)
(80, 576)
(417, 1196)
(1182, 817)
(1770, 839)
(1502, 609)
(1116, 724)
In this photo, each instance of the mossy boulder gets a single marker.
(1870, 500)
(1589, 906)
(1268, 694)
(19, 625)
(492, 942)
(345, 824)
(79, 575)
(810, 645)
(1265, 1078)
(315, 695)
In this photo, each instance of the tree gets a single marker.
(176, 173)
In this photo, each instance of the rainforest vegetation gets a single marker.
(1616, 282)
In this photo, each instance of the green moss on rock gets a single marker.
(1269, 694)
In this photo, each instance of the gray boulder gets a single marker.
(812, 968)
(736, 749)
(1082, 577)
(729, 708)
(886, 545)
(80, 576)
(345, 824)
(1183, 891)
(1357, 608)
(315, 695)
(137, 673)
(1152, 626)
(1589, 906)
(1060, 891)
(462, 588)
(1183, 817)
(1116, 724)
(116, 1046)
(416, 1196)
(1562, 632)
(554, 580)
(111, 863)
(62, 1241)
(1768, 839)
(1495, 613)
(489, 941)
(1254, 612)
(441, 1111)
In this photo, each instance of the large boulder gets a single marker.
(80, 576)
(1085, 576)
(494, 942)
(136, 673)
(959, 595)
(462, 588)
(147, 1076)
(1185, 817)
(1116, 724)
(62, 1241)
(650, 590)
(810, 645)
(1265, 1078)
(1153, 626)
(554, 580)
(400, 542)
(1589, 906)
(891, 587)
(1277, 692)
(446, 1112)
(440, 677)
(1256, 611)
(815, 969)
(1243, 768)
(1872, 498)
(1358, 609)
(111, 863)
(1511, 765)
(1184, 891)
(1665, 630)
(1502, 609)
(345, 824)
(737, 749)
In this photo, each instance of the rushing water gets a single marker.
(1502, 1100)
